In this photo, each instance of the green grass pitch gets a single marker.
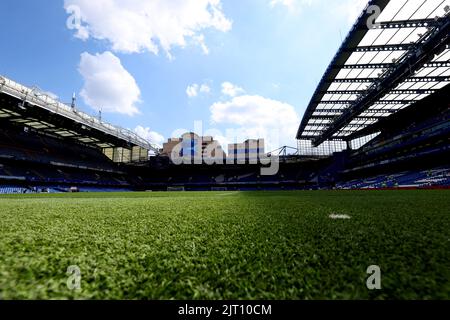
(226, 245)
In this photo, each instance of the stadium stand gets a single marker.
(32, 160)
(420, 144)
(437, 177)
(47, 146)
(153, 176)
(381, 110)
(32, 147)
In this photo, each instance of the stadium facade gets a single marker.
(250, 151)
(193, 148)
(379, 118)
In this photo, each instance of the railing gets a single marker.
(43, 100)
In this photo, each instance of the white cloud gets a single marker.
(200, 39)
(146, 25)
(292, 5)
(253, 116)
(231, 90)
(195, 89)
(192, 90)
(107, 85)
(52, 95)
(74, 22)
(149, 135)
(204, 88)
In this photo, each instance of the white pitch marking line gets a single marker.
(227, 194)
(339, 216)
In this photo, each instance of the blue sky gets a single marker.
(244, 68)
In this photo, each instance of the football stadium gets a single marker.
(91, 210)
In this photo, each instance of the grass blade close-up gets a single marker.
(226, 245)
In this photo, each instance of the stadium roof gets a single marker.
(36, 109)
(381, 68)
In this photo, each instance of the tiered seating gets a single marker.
(437, 177)
(14, 190)
(39, 160)
(397, 156)
(98, 189)
(419, 139)
(31, 147)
